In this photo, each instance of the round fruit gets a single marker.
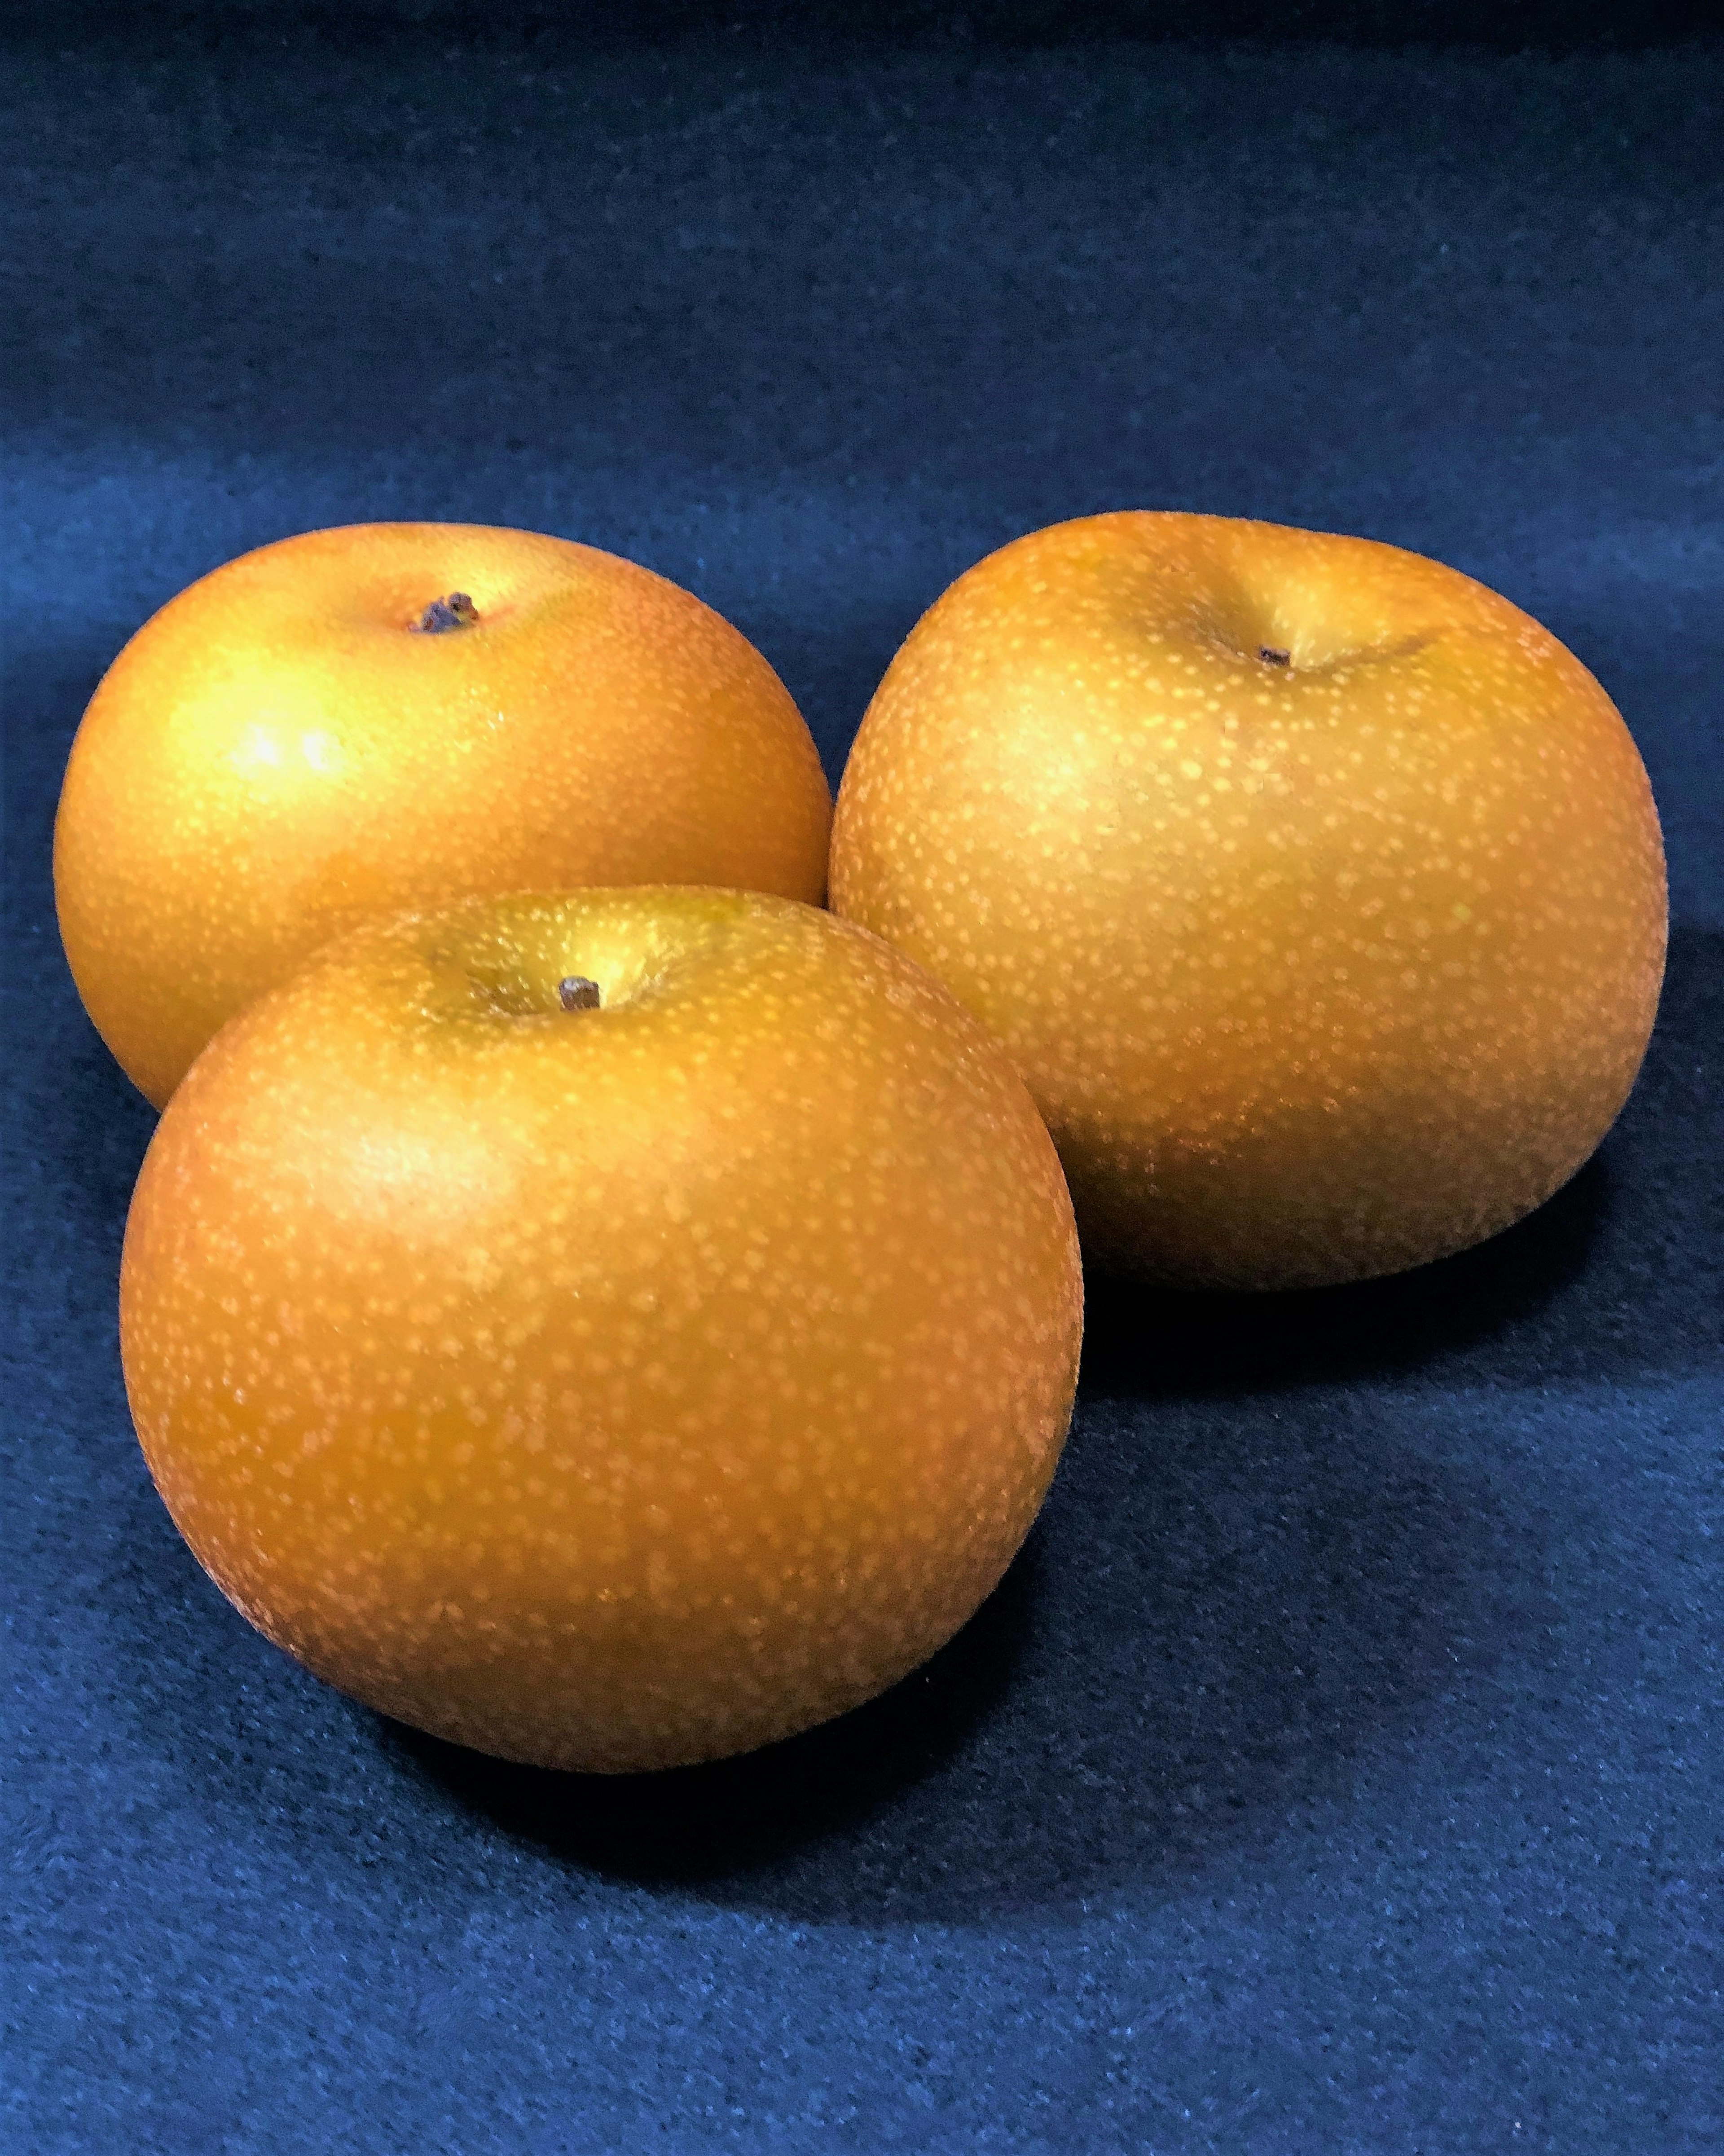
(388, 715)
(1315, 890)
(611, 1330)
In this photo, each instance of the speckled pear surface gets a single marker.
(1317, 891)
(284, 751)
(607, 1387)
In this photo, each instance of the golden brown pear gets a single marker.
(384, 716)
(1317, 891)
(610, 1330)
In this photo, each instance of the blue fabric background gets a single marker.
(1340, 1770)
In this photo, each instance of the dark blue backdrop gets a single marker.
(1340, 1770)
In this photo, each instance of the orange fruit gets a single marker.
(1317, 891)
(611, 1330)
(384, 716)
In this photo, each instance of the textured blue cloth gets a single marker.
(1340, 1768)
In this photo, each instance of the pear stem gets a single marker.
(576, 992)
(457, 611)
